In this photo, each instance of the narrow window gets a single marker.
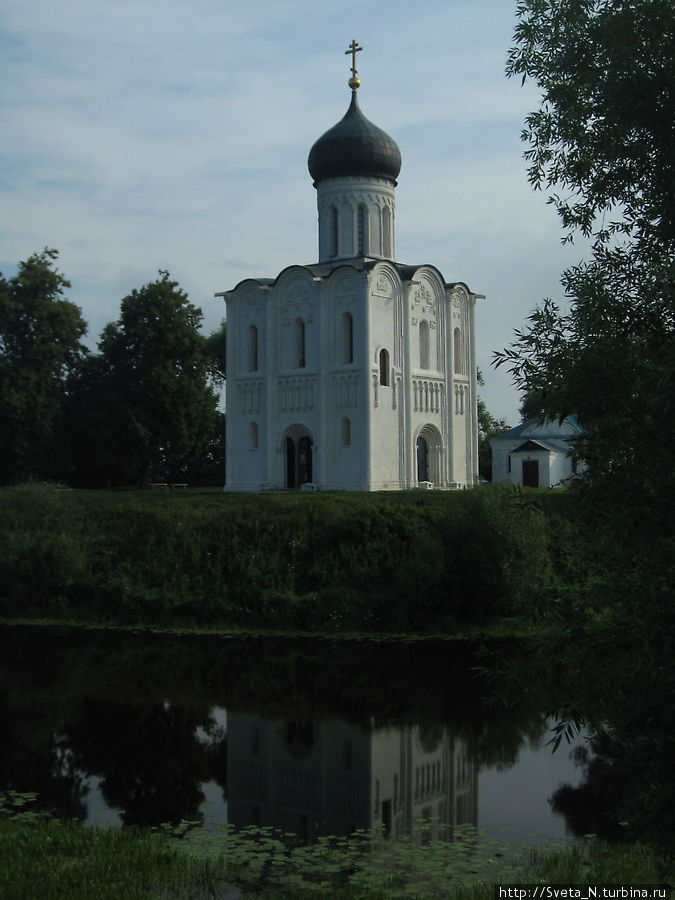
(300, 343)
(386, 233)
(424, 344)
(252, 348)
(361, 230)
(253, 435)
(346, 431)
(347, 338)
(333, 232)
(457, 349)
(384, 367)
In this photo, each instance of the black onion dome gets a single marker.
(354, 147)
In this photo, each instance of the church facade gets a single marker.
(356, 372)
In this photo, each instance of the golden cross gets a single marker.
(353, 49)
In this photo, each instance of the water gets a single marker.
(315, 737)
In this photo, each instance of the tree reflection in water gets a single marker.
(323, 734)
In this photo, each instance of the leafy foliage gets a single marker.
(488, 427)
(604, 131)
(40, 347)
(604, 136)
(603, 141)
(143, 408)
(413, 562)
(215, 350)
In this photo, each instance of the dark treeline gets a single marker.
(142, 408)
(331, 562)
(601, 142)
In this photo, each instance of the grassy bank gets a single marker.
(410, 562)
(51, 859)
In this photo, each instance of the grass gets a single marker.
(51, 859)
(403, 562)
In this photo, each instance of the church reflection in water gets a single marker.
(332, 777)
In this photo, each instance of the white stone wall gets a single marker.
(364, 366)
(356, 218)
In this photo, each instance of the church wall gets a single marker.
(246, 388)
(427, 389)
(462, 403)
(387, 439)
(344, 387)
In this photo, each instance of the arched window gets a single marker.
(346, 431)
(384, 367)
(253, 436)
(457, 350)
(424, 344)
(386, 233)
(347, 338)
(361, 230)
(252, 348)
(333, 232)
(422, 459)
(300, 344)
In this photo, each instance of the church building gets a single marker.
(356, 372)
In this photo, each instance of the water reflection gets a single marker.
(315, 737)
(321, 778)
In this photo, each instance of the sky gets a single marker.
(140, 135)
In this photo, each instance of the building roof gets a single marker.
(551, 446)
(354, 147)
(360, 264)
(543, 430)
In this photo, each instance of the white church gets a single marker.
(356, 372)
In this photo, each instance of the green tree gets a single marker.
(40, 346)
(604, 141)
(531, 406)
(215, 350)
(488, 427)
(145, 403)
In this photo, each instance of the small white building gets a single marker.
(536, 453)
(356, 372)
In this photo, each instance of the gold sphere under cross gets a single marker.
(354, 48)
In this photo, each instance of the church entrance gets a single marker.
(422, 459)
(429, 456)
(299, 449)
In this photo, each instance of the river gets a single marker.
(313, 736)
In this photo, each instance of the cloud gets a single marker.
(147, 134)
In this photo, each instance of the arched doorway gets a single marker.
(299, 449)
(422, 459)
(429, 455)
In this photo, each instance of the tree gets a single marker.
(488, 427)
(531, 406)
(215, 350)
(145, 400)
(604, 131)
(40, 347)
(604, 135)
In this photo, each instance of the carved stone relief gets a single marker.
(383, 286)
